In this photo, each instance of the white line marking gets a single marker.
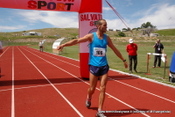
(13, 91)
(121, 72)
(130, 86)
(133, 86)
(53, 86)
(36, 86)
(89, 84)
(144, 91)
(151, 80)
(60, 59)
(4, 51)
(126, 104)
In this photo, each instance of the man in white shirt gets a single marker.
(41, 46)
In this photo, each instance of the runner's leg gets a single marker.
(103, 82)
(93, 83)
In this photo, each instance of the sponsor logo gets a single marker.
(61, 5)
(90, 17)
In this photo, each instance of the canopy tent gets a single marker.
(56, 44)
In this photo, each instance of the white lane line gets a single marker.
(59, 59)
(115, 98)
(121, 72)
(166, 99)
(53, 86)
(130, 85)
(4, 51)
(144, 78)
(13, 91)
(89, 84)
(37, 86)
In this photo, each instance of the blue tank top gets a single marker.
(98, 49)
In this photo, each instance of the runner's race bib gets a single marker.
(99, 51)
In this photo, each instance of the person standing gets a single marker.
(132, 48)
(41, 46)
(98, 64)
(158, 50)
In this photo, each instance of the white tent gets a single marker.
(56, 44)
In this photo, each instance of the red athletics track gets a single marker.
(39, 84)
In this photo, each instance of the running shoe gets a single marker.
(88, 103)
(100, 114)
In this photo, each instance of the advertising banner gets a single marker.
(89, 11)
(86, 23)
(49, 5)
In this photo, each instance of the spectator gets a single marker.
(158, 50)
(41, 46)
(132, 55)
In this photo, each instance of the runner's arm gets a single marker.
(87, 37)
(117, 52)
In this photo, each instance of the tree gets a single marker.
(147, 28)
(126, 29)
(147, 25)
(121, 34)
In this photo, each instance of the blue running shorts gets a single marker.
(98, 71)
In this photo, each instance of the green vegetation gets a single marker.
(166, 32)
(121, 34)
(47, 33)
(145, 45)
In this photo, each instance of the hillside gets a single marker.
(166, 32)
(54, 33)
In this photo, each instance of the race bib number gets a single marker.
(99, 51)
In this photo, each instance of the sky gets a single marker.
(161, 13)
